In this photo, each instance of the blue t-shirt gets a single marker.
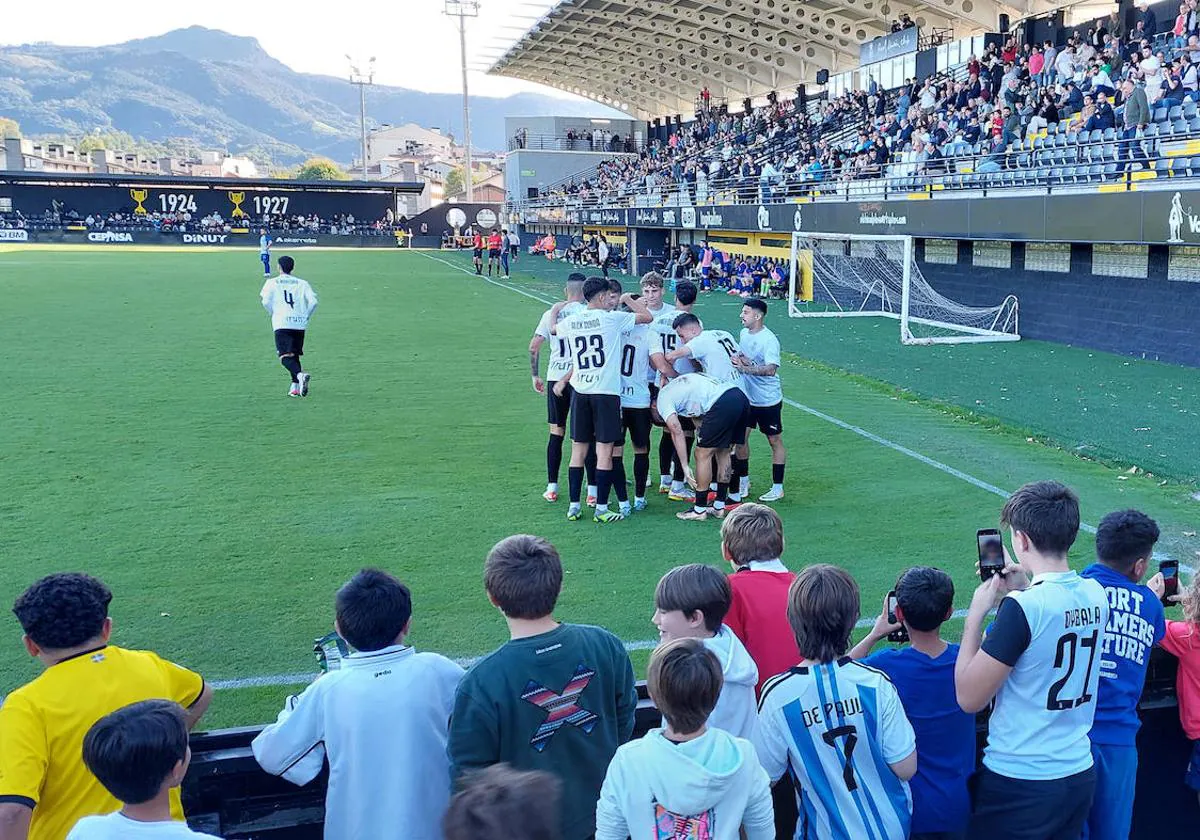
(1135, 624)
(945, 736)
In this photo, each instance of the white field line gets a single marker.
(648, 644)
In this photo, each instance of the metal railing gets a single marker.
(1046, 164)
(581, 142)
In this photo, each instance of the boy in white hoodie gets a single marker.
(690, 603)
(686, 779)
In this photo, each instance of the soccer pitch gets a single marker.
(148, 439)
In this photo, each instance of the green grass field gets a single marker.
(147, 439)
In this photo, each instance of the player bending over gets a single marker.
(558, 405)
(291, 303)
(714, 350)
(264, 251)
(726, 413)
(594, 336)
(759, 364)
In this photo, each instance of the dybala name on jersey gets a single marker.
(1082, 616)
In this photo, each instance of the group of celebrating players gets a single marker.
(625, 363)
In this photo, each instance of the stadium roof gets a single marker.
(652, 57)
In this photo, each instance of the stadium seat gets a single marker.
(1189, 108)
(1162, 168)
(1151, 131)
(1194, 124)
(1109, 134)
(1096, 172)
(1179, 126)
(1159, 115)
(1175, 113)
(1181, 167)
(1110, 171)
(1094, 136)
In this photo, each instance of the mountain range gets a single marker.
(217, 90)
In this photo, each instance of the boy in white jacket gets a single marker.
(690, 603)
(686, 779)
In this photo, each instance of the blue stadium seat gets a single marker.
(1181, 167)
(1189, 108)
(1096, 172)
(1109, 134)
(1095, 135)
(1159, 115)
(1151, 131)
(1175, 113)
(1194, 124)
(1162, 168)
(1180, 126)
(1110, 171)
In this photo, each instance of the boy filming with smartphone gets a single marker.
(1039, 663)
(923, 674)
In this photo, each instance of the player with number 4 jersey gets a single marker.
(291, 303)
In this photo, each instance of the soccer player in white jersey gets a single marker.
(725, 412)
(558, 406)
(594, 337)
(291, 302)
(1041, 664)
(837, 724)
(635, 416)
(671, 470)
(759, 364)
(264, 251)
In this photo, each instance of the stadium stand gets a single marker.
(1005, 120)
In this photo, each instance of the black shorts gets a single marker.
(637, 421)
(478, 253)
(558, 408)
(724, 424)
(685, 423)
(1021, 809)
(768, 419)
(512, 249)
(493, 253)
(289, 341)
(596, 418)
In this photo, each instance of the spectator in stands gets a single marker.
(1182, 640)
(512, 706)
(385, 781)
(1124, 546)
(864, 737)
(923, 674)
(1038, 776)
(1136, 117)
(691, 603)
(696, 779)
(752, 541)
(140, 754)
(45, 788)
(500, 803)
(1149, 20)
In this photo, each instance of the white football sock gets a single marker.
(552, 487)
(591, 490)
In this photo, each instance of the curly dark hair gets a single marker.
(63, 610)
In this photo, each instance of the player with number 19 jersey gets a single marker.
(838, 726)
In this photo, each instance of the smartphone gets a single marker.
(900, 635)
(991, 552)
(1170, 573)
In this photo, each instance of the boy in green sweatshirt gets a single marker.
(556, 697)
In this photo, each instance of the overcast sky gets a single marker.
(415, 44)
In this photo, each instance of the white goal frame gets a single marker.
(879, 300)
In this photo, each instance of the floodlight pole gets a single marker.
(463, 9)
(362, 80)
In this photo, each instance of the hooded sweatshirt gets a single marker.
(709, 787)
(737, 707)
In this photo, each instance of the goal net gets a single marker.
(841, 275)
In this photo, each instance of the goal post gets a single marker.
(840, 275)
